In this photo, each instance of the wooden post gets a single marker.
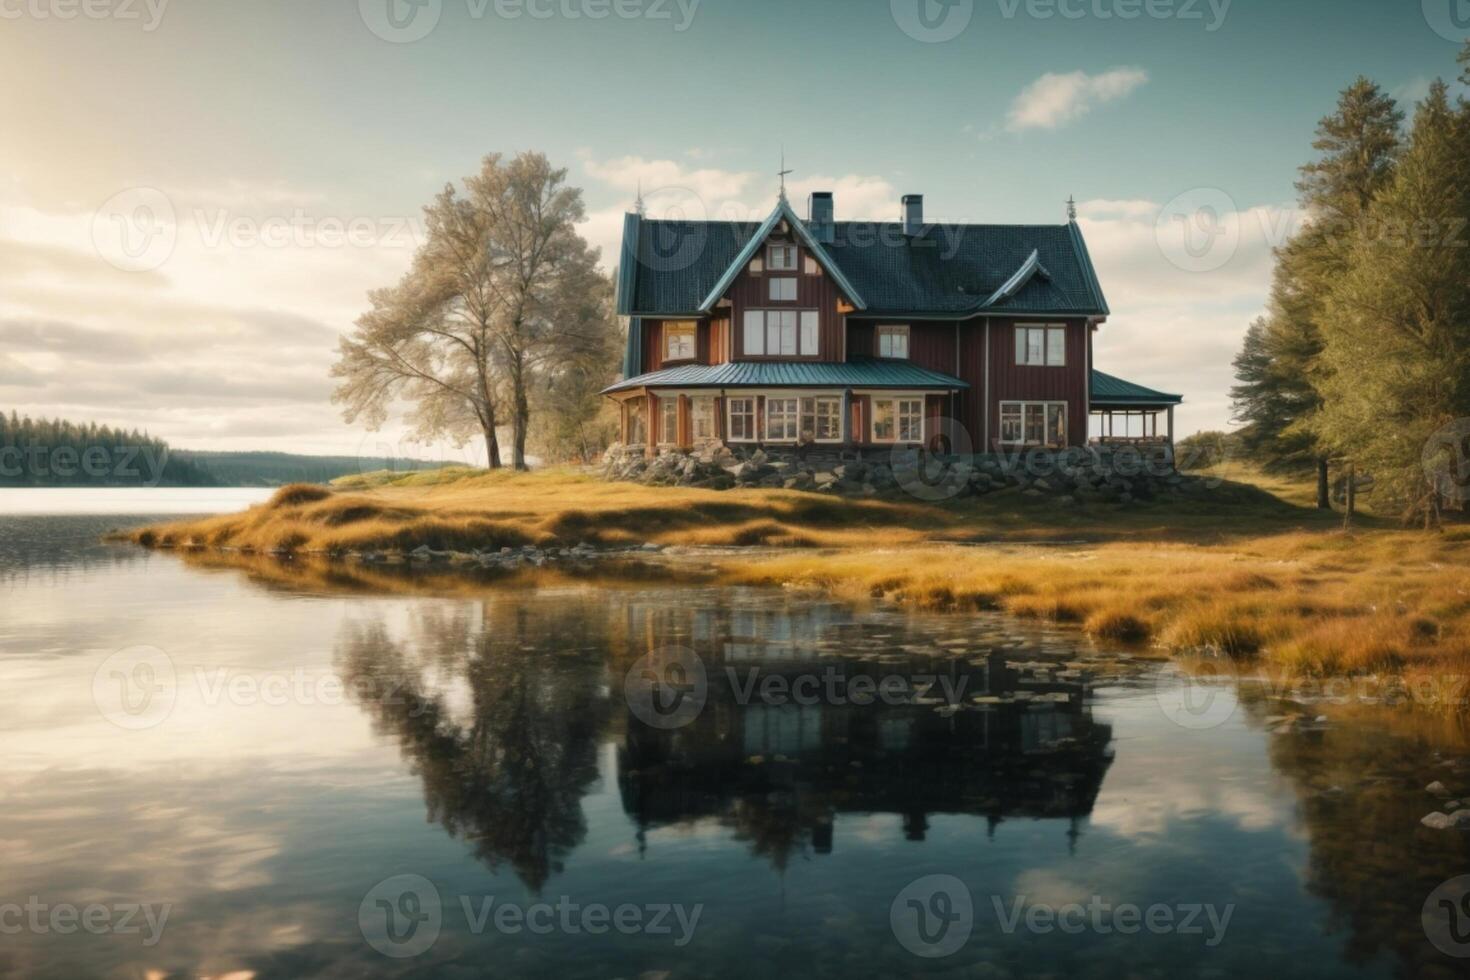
(1171, 425)
(847, 418)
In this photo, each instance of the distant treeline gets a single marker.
(58, 453)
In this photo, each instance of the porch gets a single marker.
(1122, 413)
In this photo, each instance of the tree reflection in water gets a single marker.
(501, 704)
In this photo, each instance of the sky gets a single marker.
(197, 195)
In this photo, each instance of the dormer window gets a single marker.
(781, 258)
(679, 340)
(893, 341)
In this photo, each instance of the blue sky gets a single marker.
(243, 113)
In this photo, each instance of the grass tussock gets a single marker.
(1246, 575)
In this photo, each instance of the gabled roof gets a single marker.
(794, 374)
(1108, 390)
(947, 271)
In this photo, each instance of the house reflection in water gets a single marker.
(966, 734)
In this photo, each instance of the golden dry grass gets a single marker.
(1239, 572)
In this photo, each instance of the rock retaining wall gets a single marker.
(1120, 474)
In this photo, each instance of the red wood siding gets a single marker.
(813, 292)
(1010, 381)
(931, 343)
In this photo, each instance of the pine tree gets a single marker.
(1396, 335)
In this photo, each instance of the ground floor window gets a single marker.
(742, 419)
(637, 433)
(821, 419)
(668, 411)
(781, 419)
(1033, 423)
(702, 418)
(898, 420)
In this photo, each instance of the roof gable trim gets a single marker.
(782, 210)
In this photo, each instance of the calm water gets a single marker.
(316, 772)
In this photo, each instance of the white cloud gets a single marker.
(1054, 100)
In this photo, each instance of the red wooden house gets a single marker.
(862, 335)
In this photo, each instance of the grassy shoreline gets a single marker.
(1251, 572)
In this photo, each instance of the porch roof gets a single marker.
(1111, 392)
(856, 373)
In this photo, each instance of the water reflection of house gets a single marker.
(1020, 746)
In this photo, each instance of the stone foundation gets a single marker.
(1118, 474)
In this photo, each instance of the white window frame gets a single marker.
(780, 287)
(788, 416)
(747, 404)
(692, 327)
(821, 407)
(1023, 408)
(776, 255)
(1052, 349)
(668, 415)
(806, 326)
(897, 402)
(891, 332)
(702, 417)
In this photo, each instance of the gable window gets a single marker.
(702, 418)
(742, 419)
(810, 266)
(821, 419)
(893, 342)
(679, 340)
(668, 428)
(781, 419)
(1041, 345)
(783, 290)
(1033, 423)
(898, 419)
(781, 258)
(781, 333)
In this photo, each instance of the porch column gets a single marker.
(1171, 425)
(650, 437)
(847, 418)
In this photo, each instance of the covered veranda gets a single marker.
(1124, 413)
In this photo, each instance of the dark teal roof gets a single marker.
(1108, 390)
(793, 374)
(946, 271)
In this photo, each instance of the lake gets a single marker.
(259, 768)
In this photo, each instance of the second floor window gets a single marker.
(893, 342)
(783, 290)
(781, 333)
(781, 258)
(679, 340)
(1038, 346)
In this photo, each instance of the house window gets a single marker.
(898, 419)
(821, 419)
(742, 419)
(1041, 345)
(668, 413)
(781, 333)
(781, 419)
(1033, 423)
(893, 342)
(679, 340)
(783, 290)
(702, 418)
(810, 266)
(637, 433)
(781, 258)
